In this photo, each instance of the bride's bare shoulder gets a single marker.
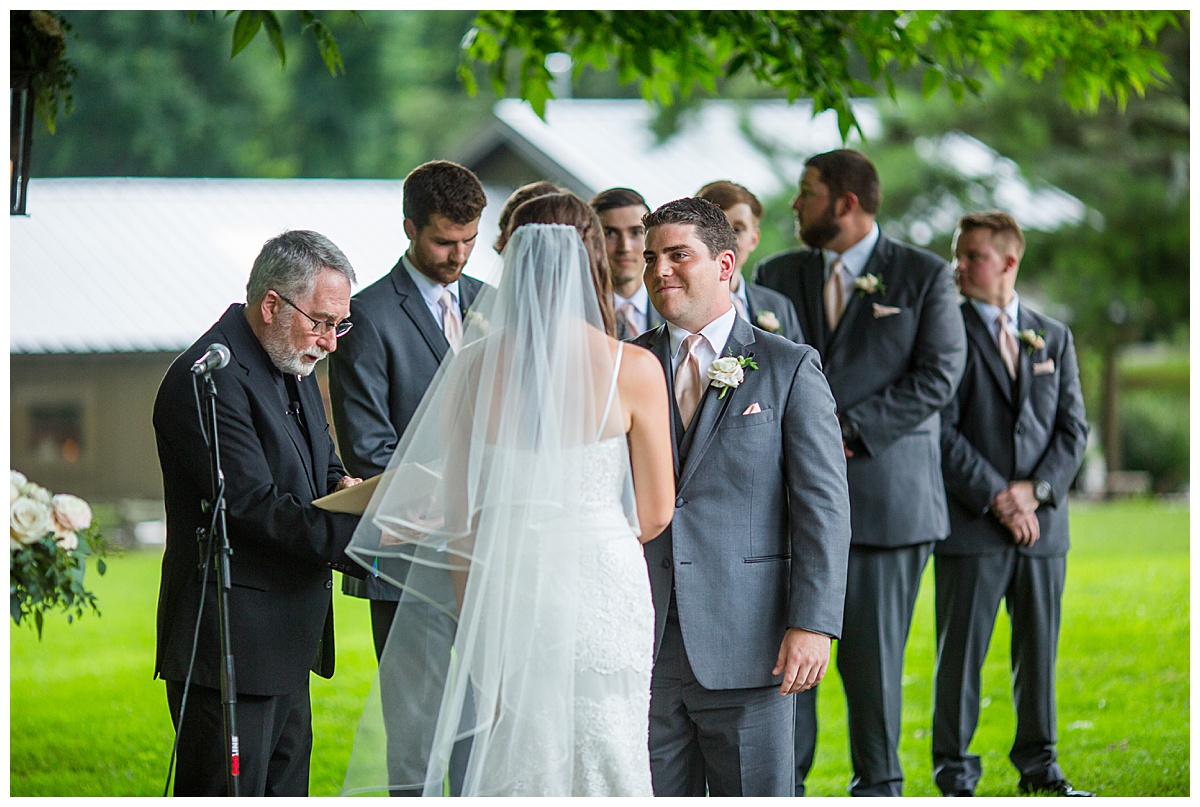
(639, 367)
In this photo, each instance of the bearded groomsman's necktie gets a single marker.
(688, 385)
(451, 320)
(625, 315)
(1008, 345)
(740, 306)
(835, 295)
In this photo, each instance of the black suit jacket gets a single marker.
(760, 300)
(379, 375)
(281, 617)
(893, 363)
(996, 430)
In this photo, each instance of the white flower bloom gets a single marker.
(726, 372)
(71, 512)
(768, 321)
(17, 478)
(869, 283)
(14, 492)
(68, 541)
(1033, 339)
(29, 520)
(36, 492)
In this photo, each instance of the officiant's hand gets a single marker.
(803, 660)
(348, 482)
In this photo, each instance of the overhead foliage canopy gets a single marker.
(829, 56)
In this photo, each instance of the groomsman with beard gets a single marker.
(766, 308)
(1013, 439)
(884, 317)
(406, 322)
(620, 211)
(748, 580)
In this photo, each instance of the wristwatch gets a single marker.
(1042, 490)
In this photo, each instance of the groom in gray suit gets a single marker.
(749, 579)
(885, 319)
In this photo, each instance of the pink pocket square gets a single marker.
(753, 409)
(881, 311)
(1043, 367)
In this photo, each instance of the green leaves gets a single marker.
(249, 23)
(43, 577)
(821, 54)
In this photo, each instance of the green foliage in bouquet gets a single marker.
(51, 538)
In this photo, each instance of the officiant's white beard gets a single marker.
(277, 342)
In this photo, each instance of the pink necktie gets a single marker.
(625, 314)
(451, 321)
(741, 307)
(835, 295)
(1008, 345)
(688, 386)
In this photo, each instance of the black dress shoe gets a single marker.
(949, 793)
(1060, 788)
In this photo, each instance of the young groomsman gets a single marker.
(758, 305)
(620, 211)
(1013, 438)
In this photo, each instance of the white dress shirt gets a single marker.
(641, 302)
(854, 260)
(988, 313)
(431, 291)
(715, 333)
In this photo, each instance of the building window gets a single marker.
(56, 432)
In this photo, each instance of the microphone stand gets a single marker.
(218, 544)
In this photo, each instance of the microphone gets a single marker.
(214, 358)
(294, 409)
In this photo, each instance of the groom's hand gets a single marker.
(803, 659)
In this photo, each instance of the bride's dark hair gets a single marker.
(567, 208)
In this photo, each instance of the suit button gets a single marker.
(328, 584)
(666, 564)
(679, 501)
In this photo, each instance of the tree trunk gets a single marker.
(1110, 428)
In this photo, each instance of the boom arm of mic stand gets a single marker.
(219, 544)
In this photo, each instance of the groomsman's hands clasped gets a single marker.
(1016, 507)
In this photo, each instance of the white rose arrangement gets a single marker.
(768, 321)
(727, 372)
(47, 557)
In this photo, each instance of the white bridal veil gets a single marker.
(486, 503)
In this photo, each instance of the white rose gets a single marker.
(17, 478)
(36, 492)
(67, 541)
(28, 520)
(14, 492)
(71, 512)
(726, 372)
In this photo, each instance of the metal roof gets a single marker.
(129, 265)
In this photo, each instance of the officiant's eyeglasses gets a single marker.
(322, 327)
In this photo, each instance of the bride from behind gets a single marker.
(519, 661)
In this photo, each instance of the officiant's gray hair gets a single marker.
(290, 262)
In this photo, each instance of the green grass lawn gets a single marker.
(86, 718)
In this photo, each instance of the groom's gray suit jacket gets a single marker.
(761, 529)
(378, 376)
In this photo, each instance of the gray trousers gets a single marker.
(969, 590)
(732, 742)
(881, 591)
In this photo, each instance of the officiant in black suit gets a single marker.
(405, 322)
(885, 319)
(276, 457)
(1013, 439)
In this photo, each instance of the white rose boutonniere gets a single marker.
(1033, 340)
(768, 321)
(870, 284)
(474, 319)
(727, 372)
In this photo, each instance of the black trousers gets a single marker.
(969, 590)
(274, 742)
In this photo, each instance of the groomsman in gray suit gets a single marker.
(749, 579)
(766, 308)
(404, 324)
(1012, 440)
(884, 317)
(620, 211)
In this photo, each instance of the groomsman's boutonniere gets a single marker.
(727, 373)
(870, 284)
(1033, 340)
(474, 319)
(768, 321)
